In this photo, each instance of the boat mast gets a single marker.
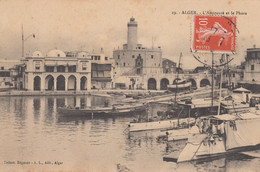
(177, 76)
(229, 86)
(220, 90)
(178, 70)
(212, 83)
(22, 43)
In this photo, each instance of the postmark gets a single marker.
(214, 33)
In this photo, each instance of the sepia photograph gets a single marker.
(129, 86)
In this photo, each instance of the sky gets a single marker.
(91, 25)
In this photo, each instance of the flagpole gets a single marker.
(24, 39)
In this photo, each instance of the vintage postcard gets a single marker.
(129, 86)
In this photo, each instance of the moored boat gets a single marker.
(182, 115)
(161, 124)
(97, 110)
(224, 134)
(179, 85)
(181, 133)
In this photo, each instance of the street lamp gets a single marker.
(24, 39)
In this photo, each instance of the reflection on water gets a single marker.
(32, 130)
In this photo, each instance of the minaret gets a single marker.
(132, 34)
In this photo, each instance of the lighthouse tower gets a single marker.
(132, 34)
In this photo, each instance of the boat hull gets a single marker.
(179, 87)
(235, 139)
(181, 134)
(101, 111)
(159, 125)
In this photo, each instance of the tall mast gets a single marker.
(177, 76)
(220, 90)
(229, 86)
(212, 83)
(22, 42)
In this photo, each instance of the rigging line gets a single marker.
(225, 63)
(197, 150)
(127, 128)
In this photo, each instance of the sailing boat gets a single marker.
(221, 135)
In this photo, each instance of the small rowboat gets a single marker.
(97, 110)
(180, 85)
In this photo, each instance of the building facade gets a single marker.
(251, 78)
(8, 74)
(168, 66)
(137, 67)
(232, 76)
(101, 71)
(56, 72)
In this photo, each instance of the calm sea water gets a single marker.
(32, 131)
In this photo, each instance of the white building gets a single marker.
(56, 71)
(101, 69)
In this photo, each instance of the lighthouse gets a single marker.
(132, 34)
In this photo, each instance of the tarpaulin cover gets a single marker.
(191, 148)
(243, 133)
(212, 148)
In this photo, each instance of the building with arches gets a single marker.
(135, 65)
(101, 68)
(138, 67)
(56, 71)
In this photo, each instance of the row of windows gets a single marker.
(95, 57)
(4, 74)
(253, 54)
(133, 56)
(61, 68)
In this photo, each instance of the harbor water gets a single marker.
(35, 137)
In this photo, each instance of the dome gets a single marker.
(37, 54)
(82, 54)
(56, 53)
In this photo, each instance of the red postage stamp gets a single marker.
(214, 33)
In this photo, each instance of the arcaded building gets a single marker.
(56, 72)
(101, 69)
